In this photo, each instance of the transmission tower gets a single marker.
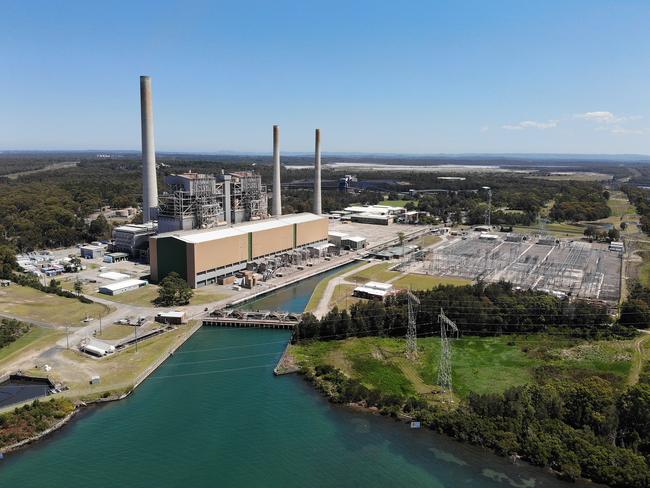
(488, 213)
(444, 369)
(411, 330)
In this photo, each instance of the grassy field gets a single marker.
(115, 331)
(378, 272)
(317, 294)
(142, 297)
(145, 296)
(35, 338)
(558, 230)
(118, 371)
(397, 203)
(426, 282)
(426, 241)
(29, 303)
(481, 365)
(342, 296)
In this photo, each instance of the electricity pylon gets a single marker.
(444, 369)
(411, 330)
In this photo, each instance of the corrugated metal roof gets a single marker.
(122, 284)
(204, 235)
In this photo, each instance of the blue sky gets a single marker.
(459, 76)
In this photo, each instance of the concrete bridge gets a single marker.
(258, 319)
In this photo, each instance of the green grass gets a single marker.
(480, 364)
(342, 297)
(556, 229)
(426, 241)
(36, 337)
(145, 296)
(142, 297)
(317, 294)
(115, 331)
(207, 295)
(29, 303)
(426, 282)
(398, 203)
(378, 272)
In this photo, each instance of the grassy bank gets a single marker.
(31, 304)
(32, 419)
(317, 294)
(480, 364)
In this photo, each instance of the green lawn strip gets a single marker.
(317, 294)
(426, 282)
(426, 241)
(342, 297)
(397, 203)
(378, 272)
(36, 337)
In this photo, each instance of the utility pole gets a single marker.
(135, 331)
(411, 331)
(67, 337)
(444, 369)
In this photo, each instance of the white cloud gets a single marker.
(604, 117)
(485, 128)
(531, 124)
(624, 130)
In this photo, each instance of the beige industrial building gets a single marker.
(202, 256)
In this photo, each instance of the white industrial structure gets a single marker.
(277, 185)
(149, 182)
(318, 209)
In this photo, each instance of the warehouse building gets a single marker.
(203, 256)
(122, 286)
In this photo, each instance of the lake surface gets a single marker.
(215, 416)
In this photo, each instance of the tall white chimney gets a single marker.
(317, 190)
(149, 181)
(277, 197)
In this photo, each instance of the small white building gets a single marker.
(616, 246)
(122, 286)
(488, 237)
(354, 243)
(173, 317)
(373, 290)
(335, 237)
(114, 276)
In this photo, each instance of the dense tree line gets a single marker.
(587, 429)
(478, 309)
(579, 201)
(10, 330)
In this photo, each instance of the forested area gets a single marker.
(479, 309)
(10, 330)
(640, 198)
(578, 201)
(589, 429)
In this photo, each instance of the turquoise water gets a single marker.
(214, 415)
(292, 298)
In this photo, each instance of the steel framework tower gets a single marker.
(411, 330)
(444, 369)
(488, 214)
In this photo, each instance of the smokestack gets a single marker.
(317, 202)
(149, 182)
(277, 197)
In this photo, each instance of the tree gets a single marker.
(100, 228)
(78, 286)
(614, 234)
(174, 291)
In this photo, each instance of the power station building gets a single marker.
(202, 256)
(200, 201)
